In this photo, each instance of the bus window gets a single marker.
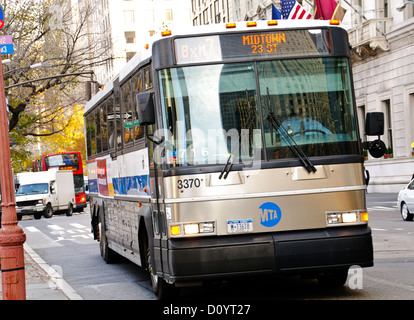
(93, 132)
(98, 130)
(89, 128)
(307, 96)
(136, 88)
(210, 113)
(111, 123)
(128, 115)
(147, 78)
(104, 125)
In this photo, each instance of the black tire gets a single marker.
(107, 253)
(48, 213)
(405, 213)
(161, 289)
(69, 211)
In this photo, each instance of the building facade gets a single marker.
(126, 26)
(382, 41)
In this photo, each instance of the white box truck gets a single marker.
(44, 192)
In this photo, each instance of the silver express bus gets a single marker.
(231, 151)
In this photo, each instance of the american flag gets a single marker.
(293, 10)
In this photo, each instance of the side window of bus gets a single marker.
(147, 77)
(98, 130)
(111, 123)
(127, 112)
(137, 88)
(90, 134)
(104, 126)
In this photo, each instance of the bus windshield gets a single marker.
(219, 111)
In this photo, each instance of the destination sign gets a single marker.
(236, 46)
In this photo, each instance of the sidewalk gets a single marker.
(42, 282)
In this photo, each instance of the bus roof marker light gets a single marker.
(251, 24)
(230, 25)
(272, 23)
(166, 33)
(334, 22)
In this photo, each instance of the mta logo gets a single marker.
(270, 215)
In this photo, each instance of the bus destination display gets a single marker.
(237, 46)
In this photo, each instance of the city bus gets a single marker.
(72, 161)
(232, 151)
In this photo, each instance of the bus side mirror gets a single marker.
(374, 126)
(145, 108)
(146, 113)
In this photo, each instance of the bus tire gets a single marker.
(48, 213)
(333, 279)
(107, 254)
(161, 289)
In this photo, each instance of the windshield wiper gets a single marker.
(227, 167)
(297, 151)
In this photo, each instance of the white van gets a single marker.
(42, 193)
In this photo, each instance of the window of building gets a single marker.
(361, 122)
(411, 106)
(129, 55)
(129, 16)
(130, 36)
(168, 15)
(388, 124)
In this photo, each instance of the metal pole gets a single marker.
(12, 236)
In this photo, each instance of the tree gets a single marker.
(42, 101)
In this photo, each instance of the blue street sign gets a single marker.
(7, 49)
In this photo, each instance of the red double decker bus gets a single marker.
(72, 161)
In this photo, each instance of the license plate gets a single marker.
(244, 225)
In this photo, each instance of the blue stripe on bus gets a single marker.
(133, 185)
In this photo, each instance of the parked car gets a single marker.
(406, 202)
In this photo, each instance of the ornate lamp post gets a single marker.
(12, 236)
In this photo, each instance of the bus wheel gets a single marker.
(48, 213)
(107, 253)
(161, 289)
(333, 279)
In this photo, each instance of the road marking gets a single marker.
(32, 229)
(55, 227)
(55, 277)
(78, 225)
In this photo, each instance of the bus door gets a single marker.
(159, 246)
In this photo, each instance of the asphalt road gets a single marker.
(66, 244)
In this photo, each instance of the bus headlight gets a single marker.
(347, 217)
(192, 228)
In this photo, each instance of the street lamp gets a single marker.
(12, 236)
(402, 6)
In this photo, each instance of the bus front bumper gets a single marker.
(297, 252)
